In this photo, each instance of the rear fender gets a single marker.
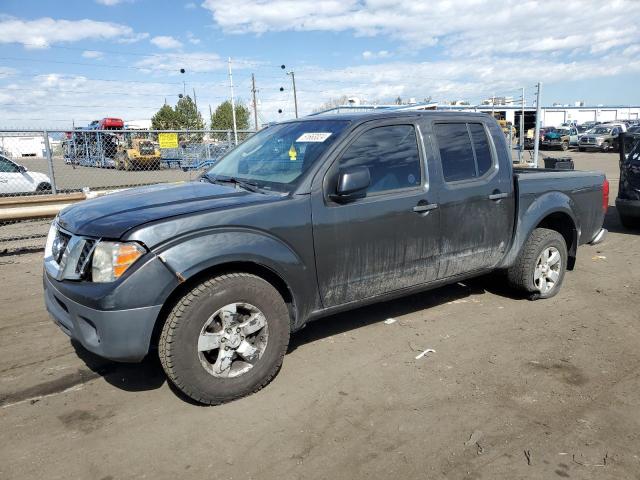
(539, 210)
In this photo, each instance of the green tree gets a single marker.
(165, 119)
(222, 118)
(188, 115)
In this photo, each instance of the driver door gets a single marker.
(388, 240)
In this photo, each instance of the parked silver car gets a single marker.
(603, 138)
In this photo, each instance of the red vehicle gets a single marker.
(109, 123)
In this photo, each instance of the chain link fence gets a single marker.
(49, 164)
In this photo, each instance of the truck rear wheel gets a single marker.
(539, 269)
(226, 338)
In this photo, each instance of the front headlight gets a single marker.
(112, 259)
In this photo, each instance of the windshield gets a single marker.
(601, 131)
(276, 157)
(562, 131)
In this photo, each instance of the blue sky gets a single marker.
(88, 59)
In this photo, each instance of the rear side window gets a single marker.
(391, 155)
(464, 150)
(481, 148)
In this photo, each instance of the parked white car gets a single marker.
(15, 178)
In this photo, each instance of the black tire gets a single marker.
(605, 147)
(564, 146)
(580, 149)
(43, 187)
(630, 223)
(521, 273)
(179, 338)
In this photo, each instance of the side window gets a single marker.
(7, 167)
(464, 150)
(456, 153)
(481, 148)
(391, 155)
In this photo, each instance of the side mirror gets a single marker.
(352, 184)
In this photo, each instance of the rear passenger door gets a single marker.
(476, 198)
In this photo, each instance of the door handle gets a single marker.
(498, 196)
(425, 207)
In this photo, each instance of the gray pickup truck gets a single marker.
(305, 219)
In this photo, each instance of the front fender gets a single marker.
(189, 256)
(529, 218)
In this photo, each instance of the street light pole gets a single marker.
(233, 106)
(536, 144)
(255, 104)
(295, 96)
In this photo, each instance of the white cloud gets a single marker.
(92, 54)
(166, 42)
(193, 39)
(43, 32)
(196, 62)
(369, 55)
(190, 5)
(479, 27)
(113, 3)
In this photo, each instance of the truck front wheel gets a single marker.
(226, 338)
(541, 265)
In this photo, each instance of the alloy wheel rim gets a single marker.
(547, 271)
(232, 340)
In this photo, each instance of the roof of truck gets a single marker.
(382, 114)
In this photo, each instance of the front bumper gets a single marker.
(551, 144)
(121, 335)
(590, 146)
(628, 208)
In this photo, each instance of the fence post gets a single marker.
(47, 150)
(229, 137)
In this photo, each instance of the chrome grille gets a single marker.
(85, 256)
(66, 256)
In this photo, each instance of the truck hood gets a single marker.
(112, 215)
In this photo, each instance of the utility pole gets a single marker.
(255, 104)
(536, 143)
(233, 106)
(295, 96)
(195, 102)
(521, 150)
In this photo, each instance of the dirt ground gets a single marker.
(515, 389)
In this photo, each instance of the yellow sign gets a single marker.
(168, 140)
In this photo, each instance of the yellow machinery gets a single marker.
(138, 154)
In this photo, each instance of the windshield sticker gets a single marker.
(313, 137)
(293, 155)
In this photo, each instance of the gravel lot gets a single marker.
(515, 389)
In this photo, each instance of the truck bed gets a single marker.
(581, 191)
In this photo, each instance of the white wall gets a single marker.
(23, 146)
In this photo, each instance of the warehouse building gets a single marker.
(552, 116)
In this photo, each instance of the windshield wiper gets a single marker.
(252, 187)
